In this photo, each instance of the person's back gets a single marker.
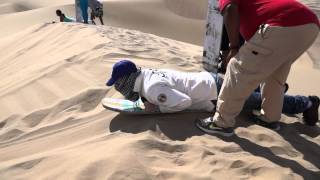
(198, 87)
(284, 13)
(68, 19)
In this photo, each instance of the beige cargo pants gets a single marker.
(265, 59)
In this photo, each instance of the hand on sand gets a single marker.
(149, 107)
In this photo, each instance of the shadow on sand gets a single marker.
(181, 126)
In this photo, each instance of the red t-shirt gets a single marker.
(283, 13)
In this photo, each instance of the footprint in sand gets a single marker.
(2, 124)
(35, 118)
(10, 134)
(28, 164)
(237, 164)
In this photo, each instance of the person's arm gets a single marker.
(149, 107)
(168, 99)
(232, 23)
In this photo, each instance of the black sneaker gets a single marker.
(207, 125)
(260, 120)
(311, 115)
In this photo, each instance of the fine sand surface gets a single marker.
(52, 125)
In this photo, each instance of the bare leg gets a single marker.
(92, 19)
(101, 20)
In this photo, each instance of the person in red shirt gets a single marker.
(277, 32)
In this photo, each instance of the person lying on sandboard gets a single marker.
(170, 91)
(63, 17)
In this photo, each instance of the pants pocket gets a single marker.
(252, 57)
(256, 50)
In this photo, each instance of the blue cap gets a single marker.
(120, 69)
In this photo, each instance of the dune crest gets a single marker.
(52, 125)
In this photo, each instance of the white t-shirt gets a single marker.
(175, 91)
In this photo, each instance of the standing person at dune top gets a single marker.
(96, 10)
(84, 10)
(277, 32)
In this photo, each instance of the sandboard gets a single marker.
(133, 108)
(213, 37)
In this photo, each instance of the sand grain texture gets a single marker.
(52, 125)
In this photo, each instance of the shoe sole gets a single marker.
(214, 132)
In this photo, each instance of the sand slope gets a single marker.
(47, 58)
(53, 126)
(160, 17)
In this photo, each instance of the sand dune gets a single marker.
(188, 8)
(56, 57)
(52, 118)
(148, 16)
(15, 6)
(52, 125)
(6, 8)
